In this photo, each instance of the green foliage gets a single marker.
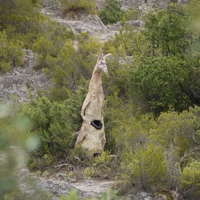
(21, 20)
(105, 166)
(74, 104)
(176, 129)
(132, 14)
(43, 47)
(78, 155)
(104, 159)
(141, 143)
(10, 53)
(190, 180)
(50, 122)
(171, 80)
(54, 123)
(141, 169)
(152, 68)
(138, 156)
(111, 12)
(161, 79)
(78, 6)
(15, 144)
(72, 196)
(108, 195)
(64, 70)
(66, 66)
(163, 76)
(166, 29)
(88, 49)
(88, 172)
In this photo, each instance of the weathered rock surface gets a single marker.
(147, 5)
(23, 83)
(90, 24)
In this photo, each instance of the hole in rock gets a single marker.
(97, 124)
(96, 154)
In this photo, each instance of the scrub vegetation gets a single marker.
(152, 105)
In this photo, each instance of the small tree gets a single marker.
(160, 80)
(167, 29)
(111, 12)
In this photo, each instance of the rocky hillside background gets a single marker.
(151, 108)
(23, 83)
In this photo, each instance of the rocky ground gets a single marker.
(53, 186)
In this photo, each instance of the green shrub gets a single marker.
(50, 122)
(105, 166)
(160, 80)
(167, 29)
(22, 20)
(190, 180)
(88, 172)
(71, 196)
(54, 123)
(10, 53)
(77, 6)
(141, 169)
(15, 145)
(109, 194)
(111, 12)
(131, 14)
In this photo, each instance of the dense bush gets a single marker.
(54, 124)
(167, 29)
(139, 168)
(21, 20)
(111, 12)
(54, 134)
(161, 80)
(141, 143)
(20, 24)
(190, 180)
(10, 53)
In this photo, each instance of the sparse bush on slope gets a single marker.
(78, 6)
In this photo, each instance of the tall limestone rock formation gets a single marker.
(92, 134)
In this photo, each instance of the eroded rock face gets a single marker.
(22, 83)
(143, 5)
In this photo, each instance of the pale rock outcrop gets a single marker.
(147, 5)
(92, 134)
(22, 83)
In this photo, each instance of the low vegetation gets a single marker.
(152, 104)
(78, 6)
(111, 12)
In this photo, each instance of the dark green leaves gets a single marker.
(160, 79)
